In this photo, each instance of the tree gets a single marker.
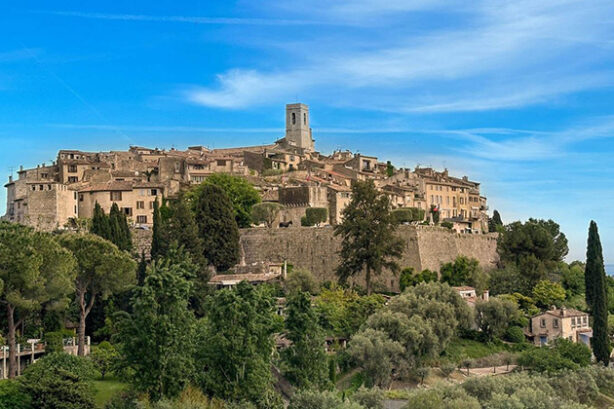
(464, 271)
(156, 341)
(240, 192)
(410, 279)
(377, 355)
(120, 232)
(34, 271)
(60, 381)
(305, 359)
(234, 359)
(309, 399)
(596, 295)
(141, 271)
(546, 293)
(157, 241)
(369, 398)
(435, 213)
(389, 169)
(314, 216)
(266, 213)
(100, 223)
(367, 232)
(407, 215)
(217, 226)
(572, 279)
(495, 316)
(535, 248)
(101, 270)
(495, 223)
(301, 280)
(104, 356)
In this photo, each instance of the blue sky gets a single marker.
(516, 94)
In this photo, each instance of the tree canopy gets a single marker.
(368, 235)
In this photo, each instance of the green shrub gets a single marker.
(13, 396)
(369, 398)
(407, 215)
(60, 381)
(447, 225)
(514, 334)
(314, 216)
(54, 342)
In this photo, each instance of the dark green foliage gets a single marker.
(305, 360)
(60, 381)
(572, 278)
(156, 341)
(409, 278)
(389, 169)
(435, 213)
(217, 226)
(266, 213)
(100, 223)
(407, 215)
(332, 369)
(535, 248)
(54, 342)
(495, 223)
(514, 334)
(141, 270)
(234, 357)
(597, 295)
(308, 399)
(157, 241)
(120, 232)
(367, 231)
(464, 271)
(562, 354)
(14, 396)
(104, 356)
(495, 316)
(241, 194)
(447, 225)
(315, 216)
(113, 227)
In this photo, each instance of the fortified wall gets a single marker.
(315, 249)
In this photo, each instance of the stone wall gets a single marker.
(315, 249)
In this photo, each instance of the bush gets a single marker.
(307, 399)
(54, 342)
(447, 225)
(104, 357)
(13, 396)
(369, 398)
(301, 280)
(60, 381)
(514, 334)
(407, 215)
(314, 216)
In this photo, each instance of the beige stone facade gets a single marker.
(560, 323)
(77, 180)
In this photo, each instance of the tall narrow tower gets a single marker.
(298, 132)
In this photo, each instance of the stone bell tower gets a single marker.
(298, 132)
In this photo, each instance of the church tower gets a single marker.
(298, 132)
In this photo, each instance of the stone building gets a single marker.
(559, 323)
(290, 169)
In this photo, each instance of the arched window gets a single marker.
(305, 119)
(293, 118)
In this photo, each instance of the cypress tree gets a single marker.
(217, 226)
(181, 226)
(494, 221)
(157, 246)
(141, 271)
(100, 223)
(596, 295)
(126, 234)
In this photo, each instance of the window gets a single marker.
(141, 219)
(584, 320)
(154, 192)
(305, 118)
(34, 187)
(72, 168)
(116, 196)
(81, 197)
(555, 323)
(127, 211)
(75, 209)
(151, 205)
(73, 179)
(140, 205)
(44, 175)
(221, 162)
(48, 187)
(542, 323)
(573, 323)
(293, 118)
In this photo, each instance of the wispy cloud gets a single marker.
(497, 56)
(184, 19)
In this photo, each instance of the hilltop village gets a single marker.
(289, 171)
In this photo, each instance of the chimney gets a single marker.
(10, 178)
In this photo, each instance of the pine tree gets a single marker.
(369, 242)
(157, 245)
(100, 223)
(596, 295)
(217, 226)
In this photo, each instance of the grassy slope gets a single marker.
(106, 389)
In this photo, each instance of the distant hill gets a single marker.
(609, 269)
